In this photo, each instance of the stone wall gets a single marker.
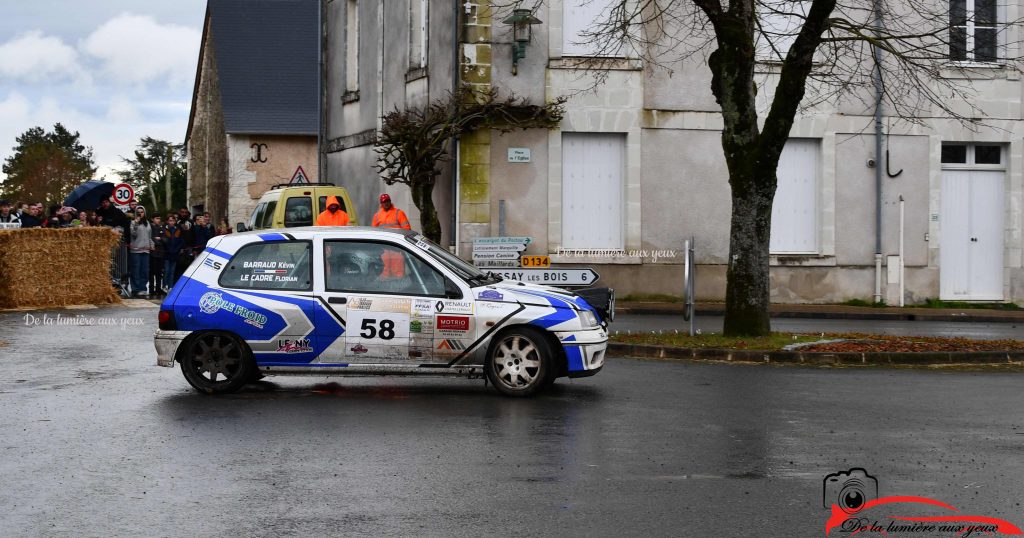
(207, 145)
(258, 162)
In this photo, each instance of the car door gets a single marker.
(389, 299)
(264, 297)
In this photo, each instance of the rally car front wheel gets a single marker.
(217, 363)
(520, 362)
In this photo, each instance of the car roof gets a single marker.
(332, 231)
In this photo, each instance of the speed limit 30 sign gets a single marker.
(124, 194)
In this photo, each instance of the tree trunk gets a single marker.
(167, 178)
(748, 286)
(423, 196)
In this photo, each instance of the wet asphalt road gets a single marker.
(96, 441)
(708, 324)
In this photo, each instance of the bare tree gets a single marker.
(908, 57)
(412, 142)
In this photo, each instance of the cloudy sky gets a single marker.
(113, 70)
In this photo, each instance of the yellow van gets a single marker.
(290, 206)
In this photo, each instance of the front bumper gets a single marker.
(166, 343)
(584, 351)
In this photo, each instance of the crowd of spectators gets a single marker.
(159, 248)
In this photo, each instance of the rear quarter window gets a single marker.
(298, 211)
(271, 265)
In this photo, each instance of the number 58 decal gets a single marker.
(385, 329)
(389, 327)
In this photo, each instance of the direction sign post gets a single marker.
(552, 277)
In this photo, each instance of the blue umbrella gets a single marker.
(88, 195)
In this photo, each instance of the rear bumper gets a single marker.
(166, 343)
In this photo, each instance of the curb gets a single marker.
(884, 316)
(821, 358)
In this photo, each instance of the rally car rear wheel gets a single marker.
(217, 363)
(519, 363)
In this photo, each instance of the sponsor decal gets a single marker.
(454, 307)
(415, 326)
(486, 306)
(359, 349)
(452, 323)
(294, 346)
(451, 345)
(422, 307)
(851, 495)
(212, 264)
(391, 305)
(212, 302)
(360, 303)
(491, 295)
(380, 304)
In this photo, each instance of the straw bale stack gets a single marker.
(56, 267)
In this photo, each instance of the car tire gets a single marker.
(519, 362)
(217, 363)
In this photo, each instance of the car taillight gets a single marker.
(166, 319)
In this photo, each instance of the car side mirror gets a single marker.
(240, 227)
(451, 291)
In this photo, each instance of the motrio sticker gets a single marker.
(456, 326)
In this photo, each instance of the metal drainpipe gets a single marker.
(876, 54)
(456, 172)
(321, 156)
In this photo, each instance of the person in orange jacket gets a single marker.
(390, 216)
(334, 215)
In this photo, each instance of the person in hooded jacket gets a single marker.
(139, 246)
(334, 215)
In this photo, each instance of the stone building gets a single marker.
(636, 167)
(255, 107)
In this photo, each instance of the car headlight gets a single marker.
(588, 319)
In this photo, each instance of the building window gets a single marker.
(352, 46)
(417, 34)
(795, 208)
(593, 174)
(779, 23)
(972, 155)
(580, 18)
(973, 30)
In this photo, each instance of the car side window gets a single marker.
(268, 214)
(270, 265)
(376, 267)
(298, 211)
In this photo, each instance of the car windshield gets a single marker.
(469, 273)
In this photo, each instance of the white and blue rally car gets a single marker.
(370, 301)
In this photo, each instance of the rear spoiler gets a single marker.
(602, 299)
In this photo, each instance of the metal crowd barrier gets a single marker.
(119, 268)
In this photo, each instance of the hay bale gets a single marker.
(56, 267)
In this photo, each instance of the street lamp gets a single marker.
(522, 21)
